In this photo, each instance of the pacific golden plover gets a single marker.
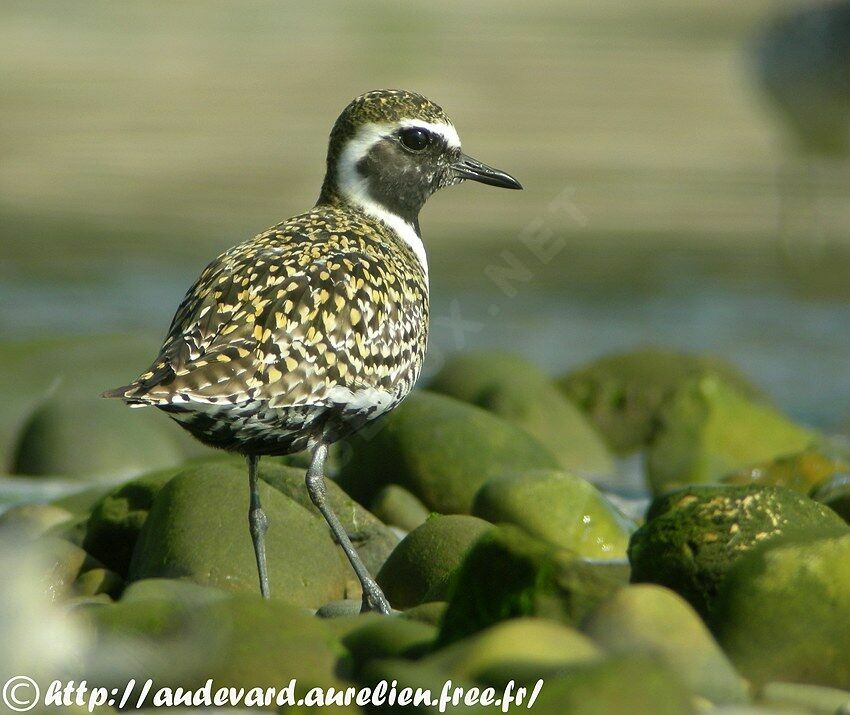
(300, 336)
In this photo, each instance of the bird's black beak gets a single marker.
(468, 168)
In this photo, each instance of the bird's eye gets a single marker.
(415, 138)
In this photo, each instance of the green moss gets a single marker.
(801, 472)
(198, 529)
(521, 393)
(693, 536)
(423, 564)
(783, 613)
(508, 573)
(440, 449)
(708, 428)
(622, 393)
(558, 507)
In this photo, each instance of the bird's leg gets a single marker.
(258, 523)
(373, 597)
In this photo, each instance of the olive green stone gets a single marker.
(93, 439)
(835, 493)
(783, 613)
(520, 649)
(655, 621)
(524, 395)
(621, 684)
(373, 540)
(508, 574)
(241, 641)
(198, 529)
(558, 507)
(440, 449)
(693, 536)
(29, 521)
(422, 565)
(117, 518)
(707, 429)
(801, 472)
(622, 393)
(396, 506)
(429, 612)
(389, 638)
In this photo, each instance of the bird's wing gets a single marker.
(292, 322)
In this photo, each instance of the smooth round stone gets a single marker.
(29, 521)
(693, 536)
(622, 393)
(396, 506)
(655, 621)
(519, 392)
(783, 613)
(197, 529)
(92, 438)
(707, 429)
(423, 564)
(440, 449)
(558, 507)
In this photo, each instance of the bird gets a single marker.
(299, 337)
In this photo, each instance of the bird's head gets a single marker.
(391, 149)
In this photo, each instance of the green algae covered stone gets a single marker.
(708, 429)
(197, 529)
(117, 518)
(655, 621)
(558, 507)
(524, 395)
(93, 439)
(783, 613)
(509, 573)
(622, 393)
(622, 684)
(802, 472)
(440, 449)
(693, 536)
(423, 564)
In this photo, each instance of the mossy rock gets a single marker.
(116, 519)
(519, 649)
(708, 429)
(61, 564)
(783, 613)
(693, 536)
(198, 529)
(429, 612)
(622, 393)
(373, 540)
(657, 622)
(29, 521)
(808, 698)
(172, 589)
(240, 641)
(77, 437)
(622, 684)
(413, 675)
(396, 506)
(558, 507)
(440, 449)
(508, 574)
(424, 562)
(801, 472)
(524, 395)
(835, 493)
(389, 638)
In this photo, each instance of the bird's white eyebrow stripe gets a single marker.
(446, 131)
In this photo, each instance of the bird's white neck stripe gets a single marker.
(354, 187)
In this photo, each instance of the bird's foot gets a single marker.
(374, 599)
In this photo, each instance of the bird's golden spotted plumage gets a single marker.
(324, 309)
(301, 335)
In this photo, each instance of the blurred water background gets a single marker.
(666, 200)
